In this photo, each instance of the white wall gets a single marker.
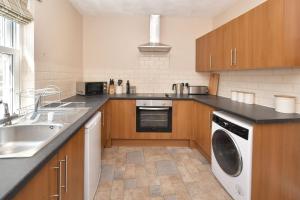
(110, 51)
(58, 45)
(236, 10)
(264, 83)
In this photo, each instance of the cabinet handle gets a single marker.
(103, 118)
(57, 187)
(235, 56)
(231, 57)
(210, 61)
(66, 173)
(59, 181)
(210, 119)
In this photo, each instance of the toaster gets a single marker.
(198, 90)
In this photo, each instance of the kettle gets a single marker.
(178, 88)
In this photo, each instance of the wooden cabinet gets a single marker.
(37, 187)
(71, 161)
(203, 54)
(105, 125)
(182, 119)
(276, 162)
(122, 119)
(265, 37)
(62, 175)
(202, 128)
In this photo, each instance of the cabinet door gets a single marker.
(36, 188)
(71, 160)
(123, 119)
(266, 35)
(217, 49)
(202, 54)
(202, 128)
(241, 42)
(182, 123)
(103, 131)
(228, 46)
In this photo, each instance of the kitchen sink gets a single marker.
(26, 140)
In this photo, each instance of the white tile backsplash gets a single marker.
(62, 76)
(264, 83)
(153, 74)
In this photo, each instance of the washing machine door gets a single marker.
(227, 153)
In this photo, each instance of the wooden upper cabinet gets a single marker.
(267, 36)
(202, 54)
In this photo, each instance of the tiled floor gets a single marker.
(157, 173)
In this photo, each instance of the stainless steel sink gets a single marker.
(26, 140)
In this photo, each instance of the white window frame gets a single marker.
(15, 52)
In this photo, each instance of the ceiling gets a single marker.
(199, 8)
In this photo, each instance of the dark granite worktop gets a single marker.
(15, 173)
(255, 113)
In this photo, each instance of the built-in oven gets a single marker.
(154, 116)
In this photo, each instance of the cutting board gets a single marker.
(213, 83)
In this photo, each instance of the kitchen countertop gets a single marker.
(255, 113)
(15, 172)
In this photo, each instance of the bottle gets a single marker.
(111, 86)
(127, 87)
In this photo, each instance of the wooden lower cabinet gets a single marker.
(202, 128)
(105, 125)
(182, 119)
(38, 187)
(276, 162)
(67, 165)
(122, 119)
(71, 159)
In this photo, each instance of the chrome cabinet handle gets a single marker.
(66, 173)
(57, 187)
(231, 57)
(210, 61)
(59, 181)
(235, 56)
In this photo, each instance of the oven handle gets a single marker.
(147, 108)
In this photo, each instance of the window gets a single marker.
(9, 63)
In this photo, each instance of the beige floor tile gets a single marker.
(137, 194)
(102, 195)
(193, 181)
(117, 192)
(129, 171)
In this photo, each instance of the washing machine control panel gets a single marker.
(235, 129)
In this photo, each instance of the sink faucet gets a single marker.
(36, 107)
(7, 117)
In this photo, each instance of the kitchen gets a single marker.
(240, 141)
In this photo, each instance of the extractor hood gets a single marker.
(154, 45)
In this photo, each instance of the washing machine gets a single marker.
(231, 162)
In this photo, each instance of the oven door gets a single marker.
(154, 119)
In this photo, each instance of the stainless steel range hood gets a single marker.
(154, 45)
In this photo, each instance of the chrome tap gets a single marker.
(36, 107)
(7, 117)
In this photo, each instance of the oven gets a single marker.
(154, 116)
